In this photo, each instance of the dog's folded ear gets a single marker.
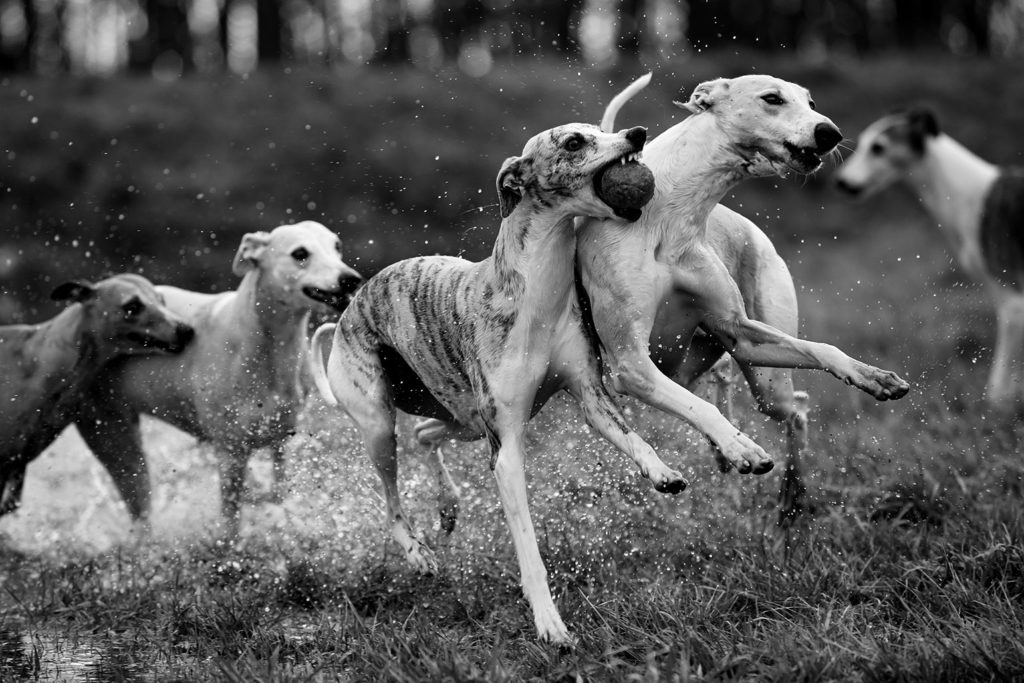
(74, 290)
(249, 252)
(510, 185)
(704, 95)
(921, 123)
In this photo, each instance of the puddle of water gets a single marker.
(45, 654)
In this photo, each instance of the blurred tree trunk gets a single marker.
(394, 18)
(454, 20)
(918, 23)
(975, 15)
(166, 31)
(19, 59)
(632, 16)
(222, 29)
(269, 31)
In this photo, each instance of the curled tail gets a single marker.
(316, 363)
(612, 110)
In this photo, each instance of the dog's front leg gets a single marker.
(703, 277)
(601, 412)
(510, 475)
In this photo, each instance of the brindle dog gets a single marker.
(482, 346)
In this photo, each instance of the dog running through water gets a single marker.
(653, 285)
(480, 347)
(49, 368)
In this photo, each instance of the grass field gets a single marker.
(909, 567)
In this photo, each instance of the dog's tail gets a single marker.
(612, 110)
(316, 363)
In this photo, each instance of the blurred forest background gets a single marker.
(149, 135)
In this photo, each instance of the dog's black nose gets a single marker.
(638, 136)
(349, 283)
(826, 137)
(847, 187)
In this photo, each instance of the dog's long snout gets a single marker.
(826, 137)
(638, 136)
(848, 187)
(349, 282)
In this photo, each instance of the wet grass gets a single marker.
(909, 565)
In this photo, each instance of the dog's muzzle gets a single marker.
(183, 334)
(808, 159)
(339, 298)
(849, 188)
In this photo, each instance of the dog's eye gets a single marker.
(132, 309)
(876, 148)
(812, 104)
(337, 247)
(573, 144)
(300, 254)
(773, 99)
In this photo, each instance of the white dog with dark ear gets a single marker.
(979, 208)
(237, 385)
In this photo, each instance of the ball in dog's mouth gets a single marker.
(626, 185)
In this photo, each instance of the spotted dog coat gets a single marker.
(481, 347)
(978, 206)
(665, 276)
(48, 368)
(238, 384)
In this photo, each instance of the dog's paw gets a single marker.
(743, 454)
(884, 385)
(669, 481)
(422, 558)
(551, 629)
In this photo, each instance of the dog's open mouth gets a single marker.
(625, 193)
(802, 159)
(146, 341)
(336, 299)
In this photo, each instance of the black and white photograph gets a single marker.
(652, 341)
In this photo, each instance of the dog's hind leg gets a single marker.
(773, 392)
(112, 433)
(1005, 389)
(430, 433)
(357, 379)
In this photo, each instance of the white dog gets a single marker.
(237, 385)
(979, 208)
(652, 285)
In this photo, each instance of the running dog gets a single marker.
(978, 206)
(237, 385)
(480, 347)
(48, 368)
(654, 284)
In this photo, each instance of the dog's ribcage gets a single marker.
(436, 315)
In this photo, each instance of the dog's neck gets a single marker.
(694, 166)
(952, 183)
(532, 262)
(275, 336)
(69, 355)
